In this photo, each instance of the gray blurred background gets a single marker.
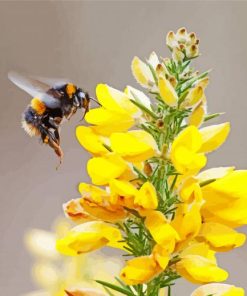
(92, 42)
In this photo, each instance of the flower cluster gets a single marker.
(58, 275)
(149, 194)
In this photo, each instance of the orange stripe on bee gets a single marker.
(70, 90)
(38, 106)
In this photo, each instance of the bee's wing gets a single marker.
(37, 88)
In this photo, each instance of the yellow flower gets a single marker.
(147, 197)
(226, 200)
(187, 222)
(97, 194)
(74, 211)
(199, 266)
(139, 270)
(167, 92)
(220, 238)
(161, 256)
(162, 232)
(88, 237)
(214, 136)
(103, 169)
(185, 153)
(90, 140)
(122, 193)
(116, 114)
(133, 146)
(218, 290)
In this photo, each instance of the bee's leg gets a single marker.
(50, 139)
(57, 135)
(85, 105)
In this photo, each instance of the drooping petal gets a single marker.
(88, 237)
(200, 270)
(162, 232)
(91, 141)
(106, 122)
(214, 173)
(187, 222)
(74, 211)
(161, 256)
(114, 100)
(139, 270)
(214, 136)
(147, 197)
(226, 200)
(220, 237)
(103, 169)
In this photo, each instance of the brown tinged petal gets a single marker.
(74, 211)
(84, 292)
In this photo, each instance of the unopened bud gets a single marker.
(148, 169)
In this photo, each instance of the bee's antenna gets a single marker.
(95, 101)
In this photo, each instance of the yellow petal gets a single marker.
(161, 256)
(218, 290)
(220, 237)
(197, 115)
(184, 151)
(190, 190)
(162, 232)
(91, 141)
(139, 270)
(226, 200)
(88, 237)
(142, 73)
(107, 121)
(187, 221)
(114, 100)
(147, 197)
(122, 193)
(133, 146)
(103, 211)
(103, 169)
(214, 136)
(74, 211)
(167, 92)
(94, 192)
(200, 270)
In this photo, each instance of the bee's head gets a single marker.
(80, 98)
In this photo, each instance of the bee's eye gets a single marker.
(81, 95)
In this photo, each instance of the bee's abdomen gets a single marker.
(31, 122)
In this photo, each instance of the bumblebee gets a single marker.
(53, 101)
